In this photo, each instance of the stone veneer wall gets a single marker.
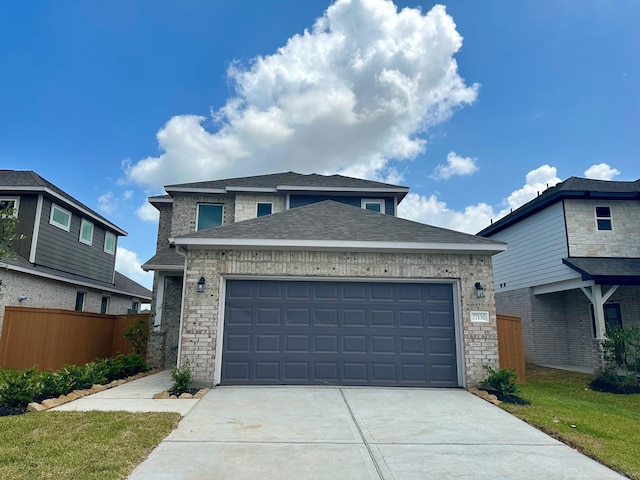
(171, 318)
(185, 211)
(245, 207)
(585, 240)
(164, 225)
(200, 323)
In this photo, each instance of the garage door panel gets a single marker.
(349, 333)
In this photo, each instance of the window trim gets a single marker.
(105, 304)
(16, 203)
(84, 301)
(264, 203)
(84, 222)
(61, 226)
(115, 240)
(379, 201)
(221, 205)
(604, 218)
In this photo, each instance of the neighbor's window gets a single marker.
(110, 243)
(603, 218)
(60, 217)
(209, 216)
(263, 209)
(373, 205)
(135, 306)
(80, 301)
(104, 306)
(86, 232)
(9, 204)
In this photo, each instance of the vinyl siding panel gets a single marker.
(535, 248)
(356, 201)
(63, 250)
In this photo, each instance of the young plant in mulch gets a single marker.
(182, 380)
(502, 384)
(621, 373)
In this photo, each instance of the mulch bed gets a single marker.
(7, 411)
(607, 386)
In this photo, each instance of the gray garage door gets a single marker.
(338, 333)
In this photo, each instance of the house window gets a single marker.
(60, 217)
(209, 216)
(86, 232)
(263, 209)
(135, 306)
(603, 218)
(104, 305)
(612, 317)
(373, 205)
(80, 296)
(9, 204)
(110, 243)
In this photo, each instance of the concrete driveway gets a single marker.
(264, 433)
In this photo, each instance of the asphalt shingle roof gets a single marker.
(164, 258)
(573, 187)
(333, 221)
(288, 179)
(624, 271)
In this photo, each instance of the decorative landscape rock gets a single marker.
(198, 394)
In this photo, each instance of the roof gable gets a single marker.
(331, 224)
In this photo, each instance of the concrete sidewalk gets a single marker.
(135, 396)
(318, 433)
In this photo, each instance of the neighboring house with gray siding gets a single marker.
(312, 279)
(571, 269)
(66, 258)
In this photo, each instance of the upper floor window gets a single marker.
(263, 208)
(9, 204)
(86, 232)
(80, 297)
(209, 216)
(373, 205)
(60, 217)
(110, 243)
(603, 218)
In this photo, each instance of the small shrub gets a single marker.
(621, 349)
(138, 333)
(130, 364)
(502, 380)
(181, 379)
(18, 387)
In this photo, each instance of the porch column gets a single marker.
(598, 299)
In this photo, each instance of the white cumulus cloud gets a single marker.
(456, 165)
(601, 171)
(352, 93)
(128, 263)
(432, 211)
(148, 213)
(107, 203)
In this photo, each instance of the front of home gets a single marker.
(572, 268)
(65, 258)
(312, 279)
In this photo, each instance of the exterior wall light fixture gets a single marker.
(479, 290)
(201, 283)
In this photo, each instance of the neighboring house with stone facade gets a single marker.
(312, 279)
(572, 268)
(66, 258)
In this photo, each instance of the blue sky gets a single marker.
(475, 108)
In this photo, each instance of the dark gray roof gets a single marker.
(608, 271)
(331, 221)
(122, 284)
(27, 180)
(288, 179)
(573, 187)
(165, 260)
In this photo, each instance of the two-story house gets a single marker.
(312, 279)
(66, 257)
(572, 268)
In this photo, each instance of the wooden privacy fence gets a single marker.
(510, 347)
(51, 338)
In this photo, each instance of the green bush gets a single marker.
(181, 379)
(502, 380)
(18, 387)
(621, 350)
(138, 333)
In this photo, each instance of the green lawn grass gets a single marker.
(604, 426)
(79, 445)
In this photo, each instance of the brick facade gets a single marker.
(201, 311)
(185, 210)
(245, 207)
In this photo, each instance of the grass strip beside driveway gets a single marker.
(604, 426)
(82, 445)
